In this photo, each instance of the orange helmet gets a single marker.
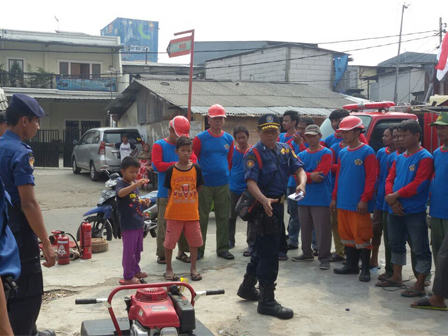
(349, 123)
(181, 126)
(216, 111)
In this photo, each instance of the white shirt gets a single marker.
(125, 150)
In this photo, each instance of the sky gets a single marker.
(240, 20)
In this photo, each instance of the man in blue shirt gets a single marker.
(9, 258)
(25, 217)
(268, 166)
(214, 150)
(237, 185)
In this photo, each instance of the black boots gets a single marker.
(351, 266)
(365, 269)
(247, 289)
(268, 306)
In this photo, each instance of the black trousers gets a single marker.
(24, 309)
(264, 260)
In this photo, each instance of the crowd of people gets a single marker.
(337, 190)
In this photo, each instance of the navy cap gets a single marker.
(23, 103)
(267, 121)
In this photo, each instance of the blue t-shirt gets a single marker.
(166, 152)
(129, 208)
(381, 157)
(16, 164)
(276, 166)
(9, 252)
(237, 183)
(214, 155)
(356, 177)
(332, 139)
(438, 206)
(284, 138)
(411, 176)
(335, 149)
(390, 161)
(297, 149)
(317, 194)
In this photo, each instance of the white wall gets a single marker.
(286, 64)
(410, 81)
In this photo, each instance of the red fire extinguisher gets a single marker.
(86, 240)
(63, 249)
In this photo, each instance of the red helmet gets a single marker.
(216, 111)
(181, 126)
(349, 123)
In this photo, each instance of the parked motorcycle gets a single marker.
(155, 309)
(105, 219)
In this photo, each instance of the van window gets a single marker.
(87, 139)
(376, 138)
(115, 137)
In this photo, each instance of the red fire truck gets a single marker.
(377, 116)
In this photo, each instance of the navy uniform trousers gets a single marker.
(25, 306)
(264, 260)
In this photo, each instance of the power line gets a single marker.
(378, 37)
(204, 51)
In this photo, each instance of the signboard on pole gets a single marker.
(179, 47)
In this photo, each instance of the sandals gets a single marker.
(140, 275)
(384, 276)
(388, 283)
(133, 281)
(196, 277)
(184, 258)
(282, 256)
(172, 278)
(248, 252)
(425, 304)
(412, 293)
(161, 261)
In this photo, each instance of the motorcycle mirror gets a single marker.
(75, 142)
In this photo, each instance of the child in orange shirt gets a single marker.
(183, 181)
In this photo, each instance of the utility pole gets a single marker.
(441, 31)
(398, 56)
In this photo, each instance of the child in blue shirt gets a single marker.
(131, 220)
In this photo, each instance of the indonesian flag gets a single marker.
(442, 56)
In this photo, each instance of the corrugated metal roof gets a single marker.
(258, 111)
(410, 57)
(66, 95)
(245, 94)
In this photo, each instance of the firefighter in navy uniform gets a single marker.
(9, 262)
(25, 217)
(268, 166)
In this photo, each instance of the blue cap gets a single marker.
(23, 103)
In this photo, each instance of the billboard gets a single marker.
(137, 36)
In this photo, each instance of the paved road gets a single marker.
(324, 304)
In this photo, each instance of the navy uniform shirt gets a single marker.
(9, 252)
(282, 159)
(16, 164)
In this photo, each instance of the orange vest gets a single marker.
(183, 200)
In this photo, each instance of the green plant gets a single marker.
(41, 78)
